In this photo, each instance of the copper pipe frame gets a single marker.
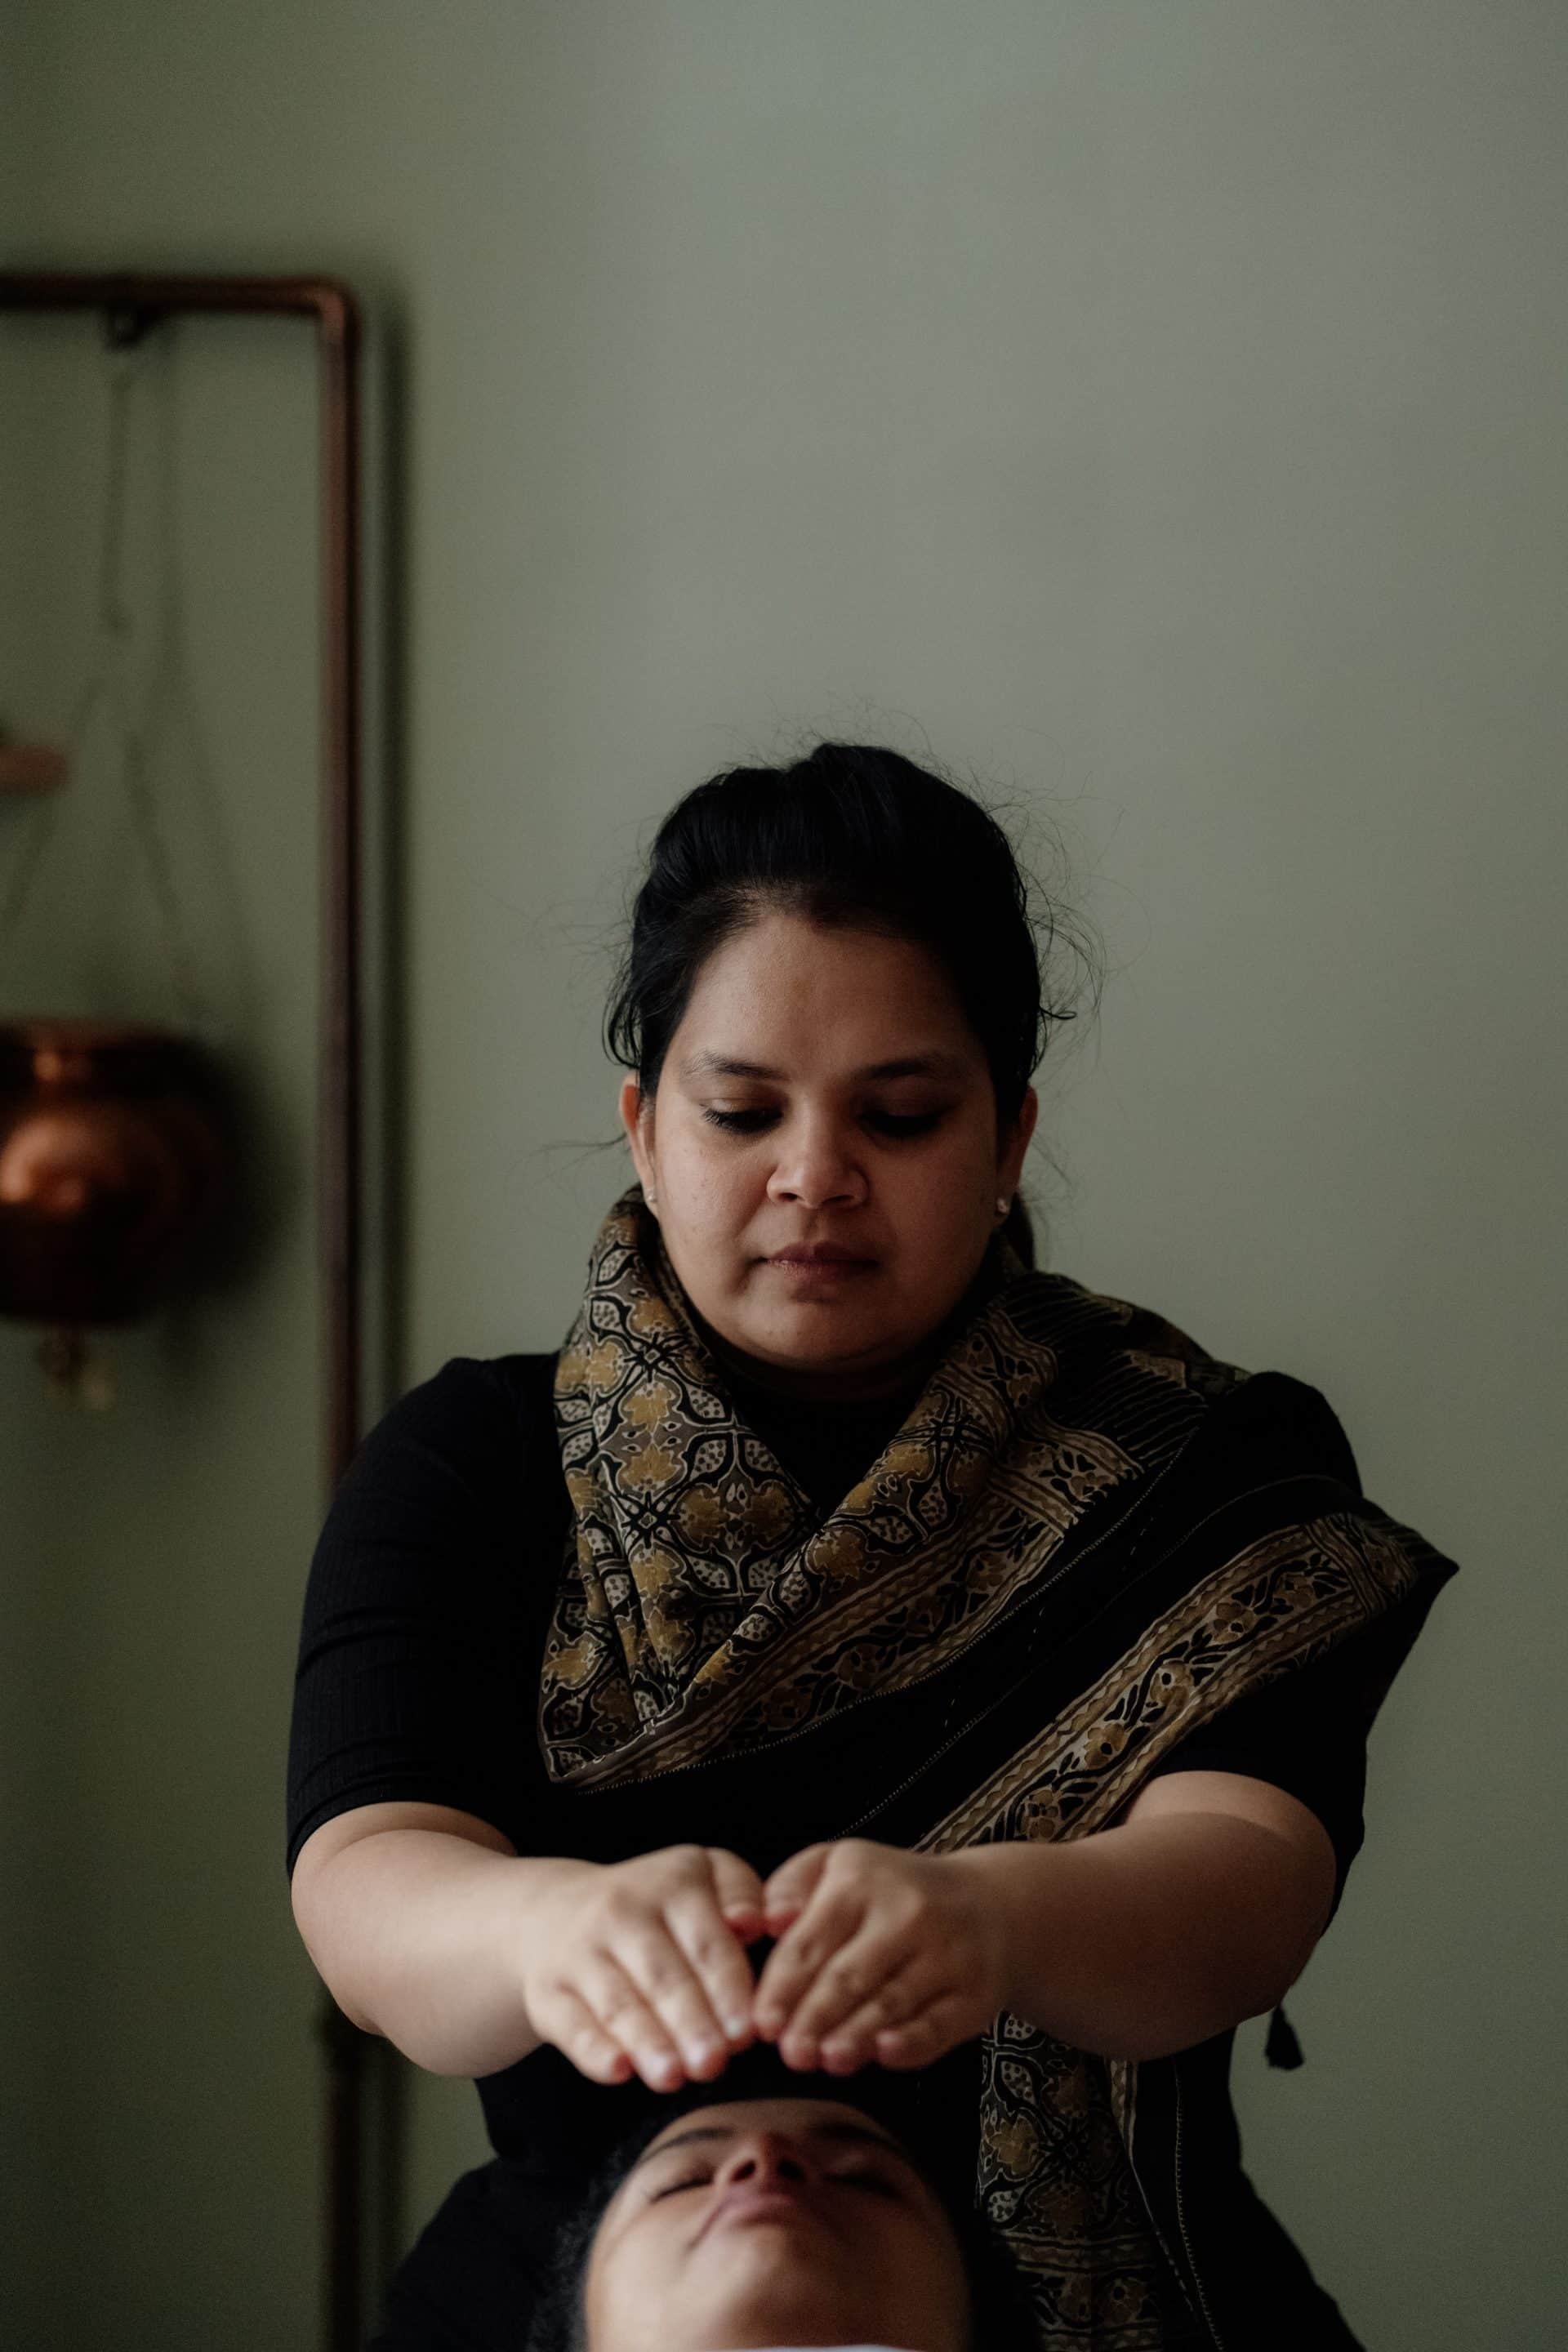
(131, 305)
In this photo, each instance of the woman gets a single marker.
(982, 1642)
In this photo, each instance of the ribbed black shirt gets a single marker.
(435, 1573)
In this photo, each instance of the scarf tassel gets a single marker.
(1281, 2048)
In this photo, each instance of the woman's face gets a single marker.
(900, 1164)
(773, 2222)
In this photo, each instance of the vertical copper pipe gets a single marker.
(337, 325)
(129, 305)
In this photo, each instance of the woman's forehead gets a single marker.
(782, 955)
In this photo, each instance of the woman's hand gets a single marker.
(640, 1967)
(882, 1955)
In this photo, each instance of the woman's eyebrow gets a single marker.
(910, 1065)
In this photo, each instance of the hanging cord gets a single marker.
(107, 683)
(76, 1373)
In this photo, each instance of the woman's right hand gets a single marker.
(640, 1967)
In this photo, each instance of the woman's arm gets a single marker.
(1198, 1910)
(414, 1916)
(409, 1746)
(429, 1928)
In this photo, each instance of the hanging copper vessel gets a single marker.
(116, 1157)
(31, 767)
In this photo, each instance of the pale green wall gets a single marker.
(1160, 407)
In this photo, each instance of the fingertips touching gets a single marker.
(721, 1979)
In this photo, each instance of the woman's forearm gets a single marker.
(420, 1935)
(1146, 1939)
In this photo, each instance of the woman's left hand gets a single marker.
(882, 1955)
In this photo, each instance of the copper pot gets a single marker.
(116, 1156)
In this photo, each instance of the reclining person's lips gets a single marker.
(745, 2205)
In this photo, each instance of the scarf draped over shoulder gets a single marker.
(1058, 1514)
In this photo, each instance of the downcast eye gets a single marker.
(890, 1123)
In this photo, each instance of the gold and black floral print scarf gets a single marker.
(1087, 1538)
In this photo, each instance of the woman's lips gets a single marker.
(832, 1269)
(820, 1253)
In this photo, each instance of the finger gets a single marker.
(616, 2002)
(651, 1956)
(826, 1924)
(854, 1978)
(930, 2034)
(852, 2042)
(578, 2036)
(792, 1885)
(718, 1962)
(738, 1891)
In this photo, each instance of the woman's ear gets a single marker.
(638, 1124)
(1011, 1166)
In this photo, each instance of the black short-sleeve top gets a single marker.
(433, 1576)
(433, 1579)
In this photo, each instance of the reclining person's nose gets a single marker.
(765, 2156)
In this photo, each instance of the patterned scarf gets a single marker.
(706, 1609)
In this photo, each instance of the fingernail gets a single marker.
(703, 2054)
(738, 2028)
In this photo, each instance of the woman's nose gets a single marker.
(818, 1169)
(763, 2156)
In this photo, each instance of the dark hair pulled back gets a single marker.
(852, 836)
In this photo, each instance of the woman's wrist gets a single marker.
(1009, 1886)
(1135, 1941)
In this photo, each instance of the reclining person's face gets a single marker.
(774, 2222)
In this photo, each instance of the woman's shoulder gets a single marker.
(525, 1384)
(1076, 1315)
(477, 1417)
(1243, 1404)
(520, 1384)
